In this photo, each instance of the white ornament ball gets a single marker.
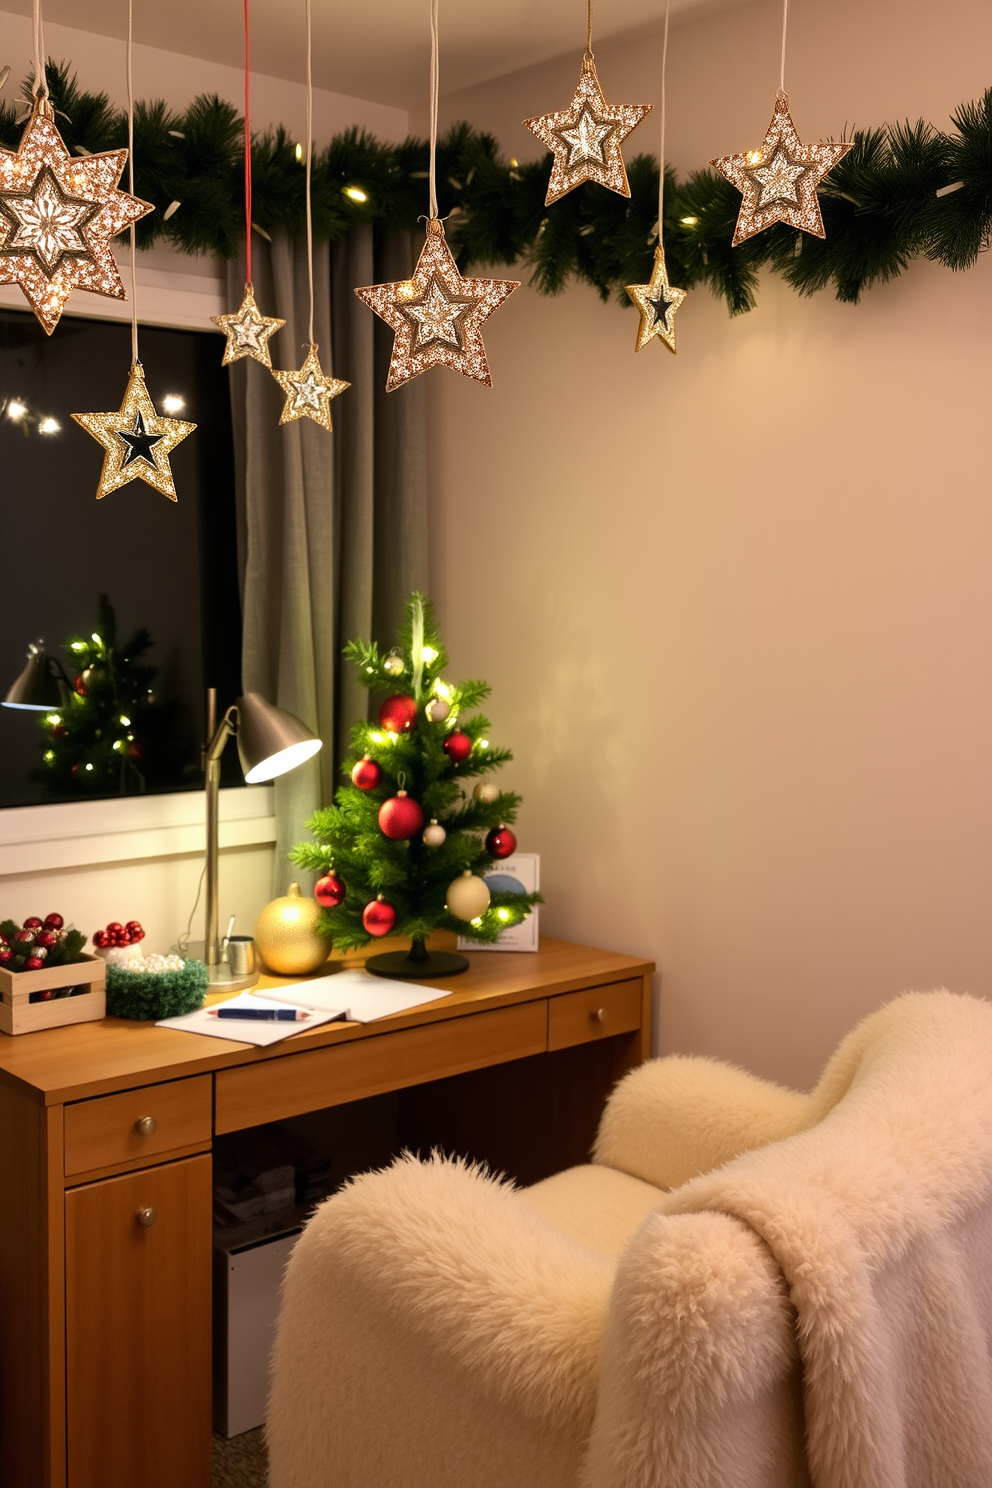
(437, 709)
(468, 897)
(486, 793)
(434, 834)
(393, 663)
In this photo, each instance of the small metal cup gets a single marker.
(241, 955)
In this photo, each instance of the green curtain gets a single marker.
(332, 529)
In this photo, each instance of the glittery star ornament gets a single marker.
(586, 137)
(138, 441)
(657, 301)
(309, 392)
(58, 215)
(248, 331)
(437, 315)
(778, 181)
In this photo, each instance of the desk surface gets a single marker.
(86, 1059)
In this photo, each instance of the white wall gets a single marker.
(747, 684)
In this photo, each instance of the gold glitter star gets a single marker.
(58, 215)
(138, 441)
(437, 315)
(309, 392)
(657, 301)
(778, 181)
(586, 138)
(248, 331)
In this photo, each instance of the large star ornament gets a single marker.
(657, 301)
(138, 442)
(248, 331)
(585, 138)
(58, 215)
(437, 315)
(778, 181)
(309, 392)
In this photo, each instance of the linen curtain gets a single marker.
(332, 529)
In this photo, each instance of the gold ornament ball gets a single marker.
(394, 663)
(468, 897)
(286, 935)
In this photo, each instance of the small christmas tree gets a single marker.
(403, 850)
(101, 740)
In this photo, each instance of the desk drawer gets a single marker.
(276, 1088)
(137, 1124)
(594, 1013)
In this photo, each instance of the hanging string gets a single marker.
(247, 149)
(661, 159)
(589, 51)
(40, 78)
(130, 183)
(785, 28)
(309, 153)
(434, 108)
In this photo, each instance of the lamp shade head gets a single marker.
(270, 740)
(37, 686)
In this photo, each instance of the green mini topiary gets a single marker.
(155, 994)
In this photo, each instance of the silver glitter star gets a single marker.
(778, 180)
(585, 138)
(585, 141)
(46, 221)
(309, 392)
(437, 316)
(247, 331)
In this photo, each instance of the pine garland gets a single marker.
(880, 204)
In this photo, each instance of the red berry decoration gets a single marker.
(32, 923)
(34, 963)
(329, 891)
(366, 774)
(59, 731)
(400, 817)
(54, 922)
(398, 714)
(101, 938)
(134, 931)
(79, 686)
(457, 746)
(379, 916)
(501, 842)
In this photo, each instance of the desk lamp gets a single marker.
(42, 686)
(270, 742)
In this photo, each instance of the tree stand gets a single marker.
(417, 962)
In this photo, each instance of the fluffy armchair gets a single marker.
(747, 1288)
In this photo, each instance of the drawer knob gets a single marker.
(145, 1125)
(598, 1015)
(147, 1217)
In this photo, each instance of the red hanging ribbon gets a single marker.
(247, 149)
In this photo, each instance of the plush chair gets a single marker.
(747, 1287)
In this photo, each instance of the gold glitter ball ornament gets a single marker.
(286, 935)
(58, 215)
(585, 138)
(657, 301)
(309, 392)
(778, 181)
(248, 331)
(437, 315)
(138, 441)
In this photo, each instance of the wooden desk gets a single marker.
(105, 1330)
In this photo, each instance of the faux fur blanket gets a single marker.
(863, 1244)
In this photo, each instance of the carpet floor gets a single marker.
(240, 1461)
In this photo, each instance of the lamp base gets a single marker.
(221, 980)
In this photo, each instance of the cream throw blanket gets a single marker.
(875, 1224)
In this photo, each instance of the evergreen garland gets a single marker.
(880, 204)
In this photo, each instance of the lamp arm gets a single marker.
(227, 727)
(211, 764)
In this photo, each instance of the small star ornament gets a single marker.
(137, 440)
(58, 216)
(309, 392)
(437, 315)
(248, 331)
(657, 301)
(585, 138)
(778, 181)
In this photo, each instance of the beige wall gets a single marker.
(735, 606)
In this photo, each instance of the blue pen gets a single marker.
(266, 1015)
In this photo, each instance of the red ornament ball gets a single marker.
(398, 714)
(54, 922)
(47, 938)
(101, 938)
(366, 774)
(25, 937)
(32, 923)
(59, 731)
(137, 749)
(457, 746)
(400, 817)
(329, 891)
(501, 842)
(379, 917)
(79, 686)
(135, 931)
(6, 954)
(76, 770)
(34, 963)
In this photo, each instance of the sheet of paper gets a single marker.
(365, 996)
(248, 1030)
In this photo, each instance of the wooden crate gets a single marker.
(18, 1014)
